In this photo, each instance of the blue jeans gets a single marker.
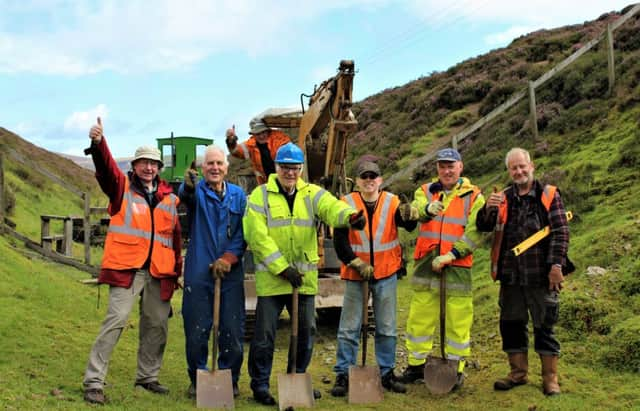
(197, 312)
(384, 308)
(261, 349)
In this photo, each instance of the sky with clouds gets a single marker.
(195, 67)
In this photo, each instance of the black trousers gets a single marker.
(516, 303)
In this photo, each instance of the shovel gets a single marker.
(294, 389)
(213, 388)
(365, 386)
(441, 374)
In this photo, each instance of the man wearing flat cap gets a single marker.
(260, 148)
(372, 255)
(448, 207)
(141, 258)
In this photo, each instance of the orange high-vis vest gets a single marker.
(445, 229)
(249, 150)
(130, 234)
(548, 193)
(383, 238)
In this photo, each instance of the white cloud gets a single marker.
(83, 120)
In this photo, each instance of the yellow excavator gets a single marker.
(322, 129)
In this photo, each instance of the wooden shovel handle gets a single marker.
(293, 342)
(216, 324)
(365, 319)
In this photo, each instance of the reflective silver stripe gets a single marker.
(130, 231)
(262, 265)
(457, 345)
(364, 246)
(302, 223)
(273, 223)
(428, 193)
(419, 355)
(167, 242)
(305, 267)
(257, 208)
(306, 222)
(454, 220)
(419, 339)
(341, 216)
(278, 223)
(445, 237)
(245, 150)
(165, 207)
(454, 357)
(434, 283)
(499, 227)
(316, 200)
(468, 242)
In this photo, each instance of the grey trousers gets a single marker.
(154, 316)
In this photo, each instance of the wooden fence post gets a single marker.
(454, 142)
(68, 237)
(86, 226)
(611, 60)
(532, 110)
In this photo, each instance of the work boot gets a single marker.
(264, 397)
(317, 394)
(519, 364)
(391, 383)
(459, 382)
(153, 386)
(95, 396)
(191, 391)
(550, 375)
(412, 374)
(341, 386)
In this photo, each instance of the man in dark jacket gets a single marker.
(215, 210)
(141, 258)
(530, 283)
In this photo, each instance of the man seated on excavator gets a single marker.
(260, 148)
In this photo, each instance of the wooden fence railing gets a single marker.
(529, 90)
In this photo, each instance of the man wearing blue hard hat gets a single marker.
(447, 208)
(280, 228)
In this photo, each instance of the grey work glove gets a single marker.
(407, 212)
(190, 179)
(434, 208)
(293, 276)
(365, 270)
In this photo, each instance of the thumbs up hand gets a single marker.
(95, 134)
(231, 138)
(407, 212)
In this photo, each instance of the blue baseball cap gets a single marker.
(448, 154)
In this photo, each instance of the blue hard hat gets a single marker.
(289, 154)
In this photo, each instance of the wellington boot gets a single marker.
(550, 374)
(519, 364)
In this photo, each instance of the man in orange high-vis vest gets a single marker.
(141, 258)
(260, 148)
(530, 282)
(373, 255)
(447, 238)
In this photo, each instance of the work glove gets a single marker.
(407, 212)
(357, 220)
(365, 270)
(434, 208)
(231, 138)
(190, 179)
(440, 261)
(219, 268)
(555, 278)
(293, 276)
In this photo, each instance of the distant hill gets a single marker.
(123, 163)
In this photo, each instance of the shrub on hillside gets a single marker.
(628, 155)
(629, 279)
(496, 96)
(622, 350)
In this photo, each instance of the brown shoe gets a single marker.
(550, 384)
(95, 396)
(519, 364)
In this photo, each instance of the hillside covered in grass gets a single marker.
(589, 145)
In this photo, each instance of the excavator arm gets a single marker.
(325, 128)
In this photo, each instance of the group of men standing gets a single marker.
(278, 222)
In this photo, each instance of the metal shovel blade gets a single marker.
(365, 386)
(214, 389)
(295, 390)
(440, 375)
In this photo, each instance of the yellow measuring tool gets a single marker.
(535, 238)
